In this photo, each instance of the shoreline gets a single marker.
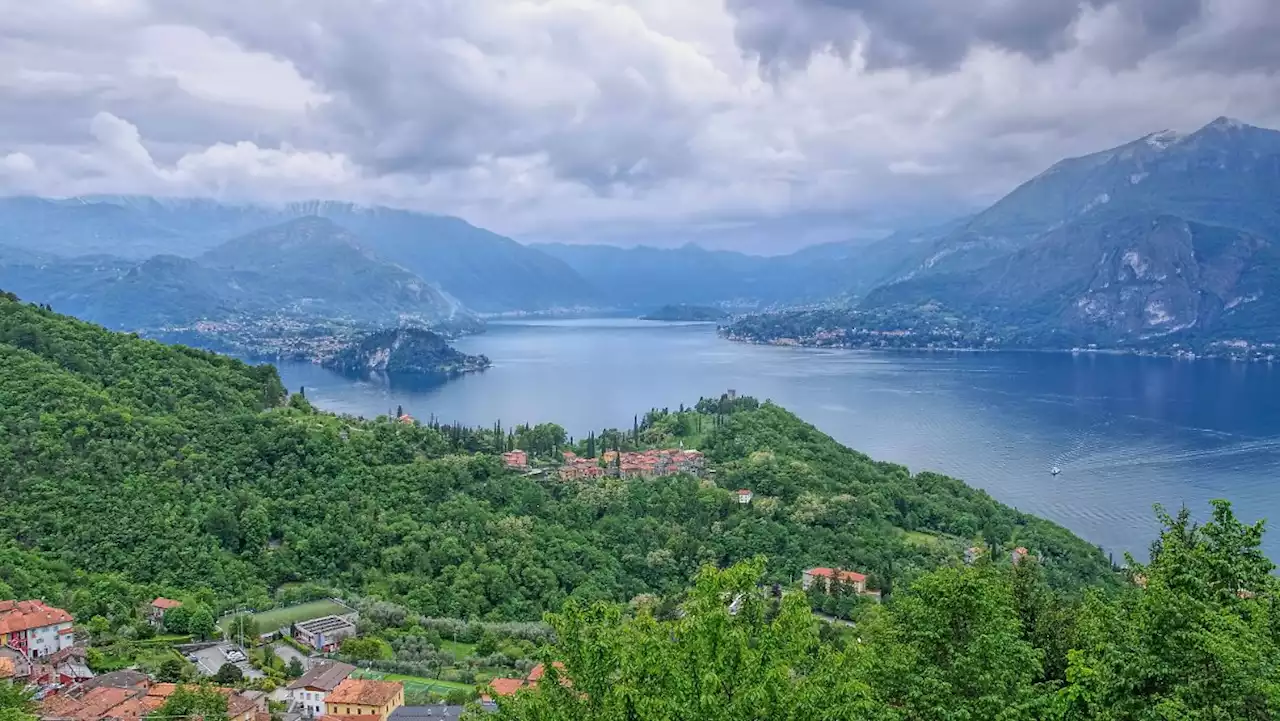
(1181, 356)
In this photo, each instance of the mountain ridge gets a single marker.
(485, 270)
(304, 267)
(1198, 207)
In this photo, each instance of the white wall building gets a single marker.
(34, 629)
(307, 694)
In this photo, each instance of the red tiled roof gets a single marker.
(165, 603)
(162, 690)
(743, 492)
(59, 706)
(538, 671)
(100, 700)
(506, 686)
(831, 573)
(1020, 551)
(364, 692)
(131, 709)
(26, 615)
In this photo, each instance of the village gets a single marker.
(652, 463)
(44, 650)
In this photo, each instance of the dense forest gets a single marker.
(1194, 638)
(131, 468)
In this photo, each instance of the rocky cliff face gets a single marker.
(1167, 235)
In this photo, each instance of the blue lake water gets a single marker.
(1127, 432)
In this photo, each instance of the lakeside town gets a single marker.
(848, 329)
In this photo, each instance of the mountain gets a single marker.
(304, 267)
(1227, 173)
(404, 350)
(314, 265)
(1169, 234)
(647, 277)
(484, 270)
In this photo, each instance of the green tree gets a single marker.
(242, 626)
(255, 529)
(178, 620)
(185, 702)
(228, 675)
(16, 702)
(487, 645)
(172, 670)
(1198, 642)
(951, 647)
(201, 624)
(760, 662)
(295, 669)
(369, 648)
(99, 627)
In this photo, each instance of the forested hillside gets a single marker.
(1193, 638)
(177, 469)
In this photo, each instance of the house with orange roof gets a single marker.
(510, 686)
(128, 696)
(506, 686)
(516, 459)
(358, 699)
(34, 629)
(825, 578)
(158, 608)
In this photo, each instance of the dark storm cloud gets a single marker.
(937, 35)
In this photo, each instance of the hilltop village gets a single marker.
(621, 464)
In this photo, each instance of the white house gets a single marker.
(34, 629)
(307, 694)
(745, 496)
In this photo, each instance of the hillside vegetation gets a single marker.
(181, 469)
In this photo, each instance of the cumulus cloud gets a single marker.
(649, 120)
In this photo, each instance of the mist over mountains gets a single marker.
(1168, 234)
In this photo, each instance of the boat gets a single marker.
(1055, 471)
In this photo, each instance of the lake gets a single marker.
(1127, 432)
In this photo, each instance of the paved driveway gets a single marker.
(287, 653)
(209, 660)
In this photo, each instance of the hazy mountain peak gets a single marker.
(1223, 122)
(1163, 139)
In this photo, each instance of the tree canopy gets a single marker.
(132, 469)
(1194, 639)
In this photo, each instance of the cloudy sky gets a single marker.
(757, 123)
